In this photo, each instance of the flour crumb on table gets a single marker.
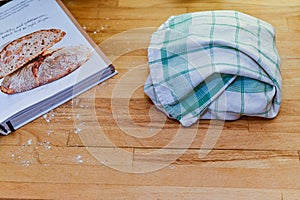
(79, 159)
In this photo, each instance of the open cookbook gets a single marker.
(46, 59)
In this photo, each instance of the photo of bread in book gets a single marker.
(29, 62)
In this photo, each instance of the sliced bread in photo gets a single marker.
(46, 68)
(22, 50)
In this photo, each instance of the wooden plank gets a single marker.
(96, 26)
(229, 138)
(282, 36)
(32, 132)
(126, 157)
(126, 13)
(197, 176)
(290, 76)
(194, 3)
(75, 4)
(139, 13)
(285, 121)
(215, 158)
(288, 49)
(294, 21)
(291, 195)
(78, 12)
(96, 191)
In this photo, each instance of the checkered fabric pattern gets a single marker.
(214, 65)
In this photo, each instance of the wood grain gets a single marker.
(89, 147)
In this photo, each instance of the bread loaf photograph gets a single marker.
(28, 62)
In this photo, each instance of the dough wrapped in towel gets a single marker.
(214, 65)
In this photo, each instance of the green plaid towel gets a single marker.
(214, 65)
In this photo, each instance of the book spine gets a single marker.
(6, 130)
(3, 130)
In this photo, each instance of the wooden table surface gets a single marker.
(110, 143)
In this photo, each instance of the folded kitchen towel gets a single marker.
(214, 65)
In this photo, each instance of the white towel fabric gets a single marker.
(214, 65)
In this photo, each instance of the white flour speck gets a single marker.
(49, 132)
(172, 167)
(45, 116)
(79, 159)
(77, 130)
(49, 116)
(26, 163)
(47, 147)
(29, 142)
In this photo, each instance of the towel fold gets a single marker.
(214, 65)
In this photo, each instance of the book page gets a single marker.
(19, 18)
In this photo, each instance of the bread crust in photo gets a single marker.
(19, 52)
(46, 68)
